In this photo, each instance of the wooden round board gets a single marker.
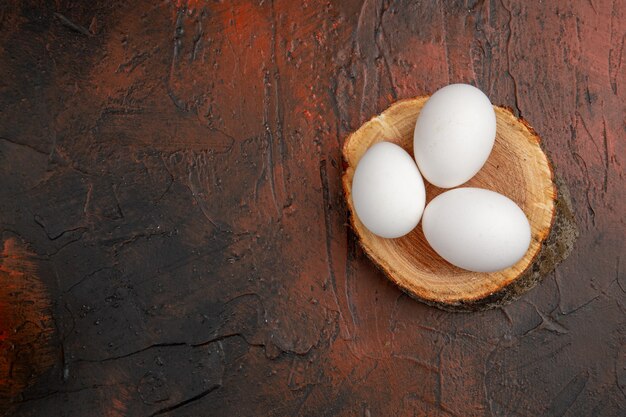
(517, 168)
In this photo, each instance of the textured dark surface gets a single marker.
(171, 177)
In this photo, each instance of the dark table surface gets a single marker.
(173, 228)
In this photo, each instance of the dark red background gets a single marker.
(171, 179)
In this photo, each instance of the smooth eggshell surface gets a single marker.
(454, 135)
(476, 229)
(388, 191)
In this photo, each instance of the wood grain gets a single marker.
(176, 176)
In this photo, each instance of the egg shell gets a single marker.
(476, 229)
(454, 135)
(388, 191)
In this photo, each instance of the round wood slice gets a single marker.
(516, 168)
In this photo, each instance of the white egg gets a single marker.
(475, 229)
(388, 191)
(454, 135)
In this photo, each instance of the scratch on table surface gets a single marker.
(328, 232)
(74, 26)
(516, 107)
(568, 395)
